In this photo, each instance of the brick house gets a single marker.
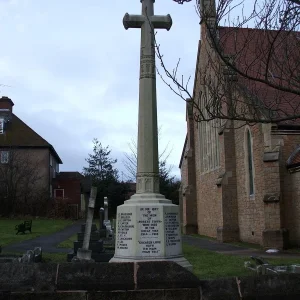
(240, 183)
(21, 148)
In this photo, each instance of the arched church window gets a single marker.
(250, 162)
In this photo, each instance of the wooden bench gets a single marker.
(26, 226)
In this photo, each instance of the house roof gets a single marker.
(250, 47)
(18, 134)
(70, 175)
(294, 159)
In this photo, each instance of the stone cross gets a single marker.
(105, 209)
(84, 253)
(147, 168)
(101, 219)
(148, 224)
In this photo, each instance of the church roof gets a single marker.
(252, 47)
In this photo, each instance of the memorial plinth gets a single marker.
(148, 225)
(148, 231)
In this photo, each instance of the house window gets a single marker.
(4, 157)
(249, 163)
(59, 193)
(51, 162)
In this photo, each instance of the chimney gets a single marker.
(6, 103)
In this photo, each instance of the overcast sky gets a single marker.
(72, 71)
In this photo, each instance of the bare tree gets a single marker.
(246, 74)
(21, 181)
(130, 161)
(168, 184)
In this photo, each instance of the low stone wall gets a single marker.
(134, 281)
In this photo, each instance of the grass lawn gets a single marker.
(55, 257)
(206, 264)
(69, 242)
(210, 265)
(39, 227)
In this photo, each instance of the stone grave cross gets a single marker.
(147, 167)
(84, 253)
(105, 209)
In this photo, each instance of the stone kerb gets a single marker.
(145, 280)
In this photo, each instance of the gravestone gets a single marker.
(31, 256)
(84, 253)
(89, 239)
(105, 209)
(148, 225)
(102, 228)
(106, 222)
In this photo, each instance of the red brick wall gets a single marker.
(230, 204)
(209, 207)
(250, 209)
(72, 190)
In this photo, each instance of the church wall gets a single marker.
(290, 197)
(250, 208)
(209, 195)
(184, 183)
(292, 207)
(209, 205)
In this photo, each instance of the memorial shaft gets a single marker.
(148, 224)
(147, 162)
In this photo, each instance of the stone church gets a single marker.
(240, 183)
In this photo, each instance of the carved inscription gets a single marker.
(147, 182)
(147, 69)
(172, 229)
(125, 225)
(149, 222)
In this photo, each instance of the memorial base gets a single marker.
(83, 254)
(148, 229)
(180, 261)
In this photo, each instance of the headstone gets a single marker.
(30, 255)
(101, 218)
(102, 228)
(148, 225)
(84, 253)
(82, 205)
(105, 209)
(37, 251)
(98, 252)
